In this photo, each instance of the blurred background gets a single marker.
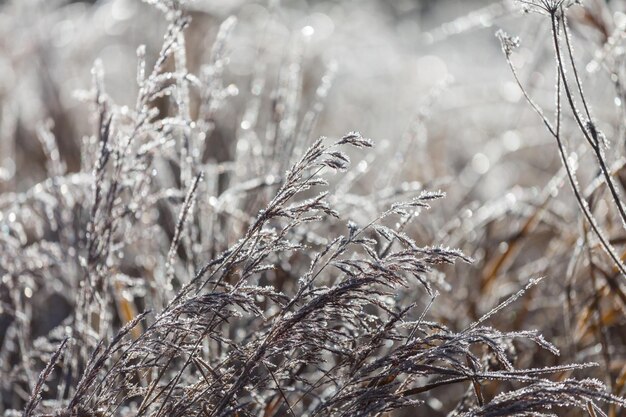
(396, 62)
(394, 59)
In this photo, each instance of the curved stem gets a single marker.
(592, 139)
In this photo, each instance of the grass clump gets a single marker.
(176, 270)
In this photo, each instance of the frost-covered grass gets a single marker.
(181, 241)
